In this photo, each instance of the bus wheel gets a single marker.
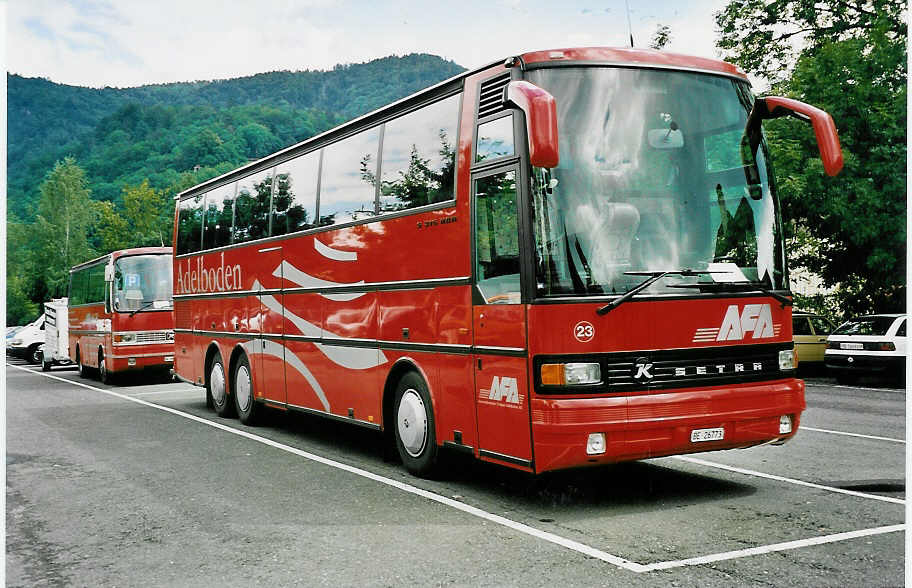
(415, 438)
(103, 374)
(242, 388)
(217, 389)
(83, 370)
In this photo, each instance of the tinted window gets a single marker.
(868, 325)
(295, 198)
(901, 331)
(217, 228)
(801, 326)
(77, 288)
(419, 157)
(348, 178)
(495, 139)
(189, 224)
(497, 239)
(251, 207)
(97, 283)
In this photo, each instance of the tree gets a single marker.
(148, 214)
(61, 229)
(765, 37)
(850, 230)
(661, 37)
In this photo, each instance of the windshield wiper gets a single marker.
(738, 287)
(653, 278)
(143, 307)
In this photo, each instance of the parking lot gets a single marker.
(139, 484)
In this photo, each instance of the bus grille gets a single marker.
(648, 371)
(153, 337)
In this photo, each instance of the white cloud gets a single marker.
(95, 43)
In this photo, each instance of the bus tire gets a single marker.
(216, 387)
(83, 370)
(45, 366)
(245, 403)
(413, 416)
(104, 376)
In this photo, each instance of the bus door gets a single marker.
(499, 321)
(270, 363)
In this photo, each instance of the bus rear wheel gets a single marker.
(104, 376)
(242, 388)
(217, 388)
(414, 426)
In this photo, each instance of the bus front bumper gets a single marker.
(641, 426)
(122, 361)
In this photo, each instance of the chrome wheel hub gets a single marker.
(217, 384)
(411, 422)
(242, 388)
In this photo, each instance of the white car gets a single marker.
(25, 342)
(866, 345)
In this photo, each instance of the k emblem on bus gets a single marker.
(642, 370)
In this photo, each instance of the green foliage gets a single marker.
(138, 147)
(850, 230)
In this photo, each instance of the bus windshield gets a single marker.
(656, 174)
(142, 282)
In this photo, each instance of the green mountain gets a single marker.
(182, 133)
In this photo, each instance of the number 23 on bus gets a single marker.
(569, 258)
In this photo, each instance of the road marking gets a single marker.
(804, 428)
(157, 392)
(746, 472)
(516, 526)
(523, 528)
(762, 549)
(844, 387)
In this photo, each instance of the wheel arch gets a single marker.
(236, 353)
(402, 366)
(212, 350)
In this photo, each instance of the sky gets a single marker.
(124, 43)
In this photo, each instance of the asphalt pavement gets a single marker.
(138, 484)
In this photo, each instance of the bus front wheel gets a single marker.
(104, 376)
(218, 390)
(242, 388)
(83, 370)
(414, 426)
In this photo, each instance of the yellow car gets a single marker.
(809, 333)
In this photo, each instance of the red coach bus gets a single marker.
(121, 312)
(573, 257)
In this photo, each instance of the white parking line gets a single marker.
(757, 474)
(705, 559)
(551, 537)
(810, 385)
(520, 527)
(874, 437)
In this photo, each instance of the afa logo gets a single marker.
(754, 321)
(503, 389)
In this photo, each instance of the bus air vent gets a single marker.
(491, 96)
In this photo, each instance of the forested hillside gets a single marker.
(102, 164)
(123, 135)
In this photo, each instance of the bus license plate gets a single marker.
(855, 346)
(698, 435)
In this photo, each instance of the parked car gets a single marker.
(809, 333)
(27, 340)
(868, 344)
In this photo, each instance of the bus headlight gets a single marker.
(125, 338)
(570, 374)
(786, 359)
(595, 445)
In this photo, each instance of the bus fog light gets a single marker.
(786, 359)
(785, 424)
(131, 361)
(596, 444)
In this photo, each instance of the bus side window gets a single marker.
(219, 211)
(497, 239)
(295, 199)
(189, 224)
(251, 207)
(419, 157)
(348, 178)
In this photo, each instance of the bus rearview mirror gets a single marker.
(822, 122)
(540, 109)
(109, 273)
